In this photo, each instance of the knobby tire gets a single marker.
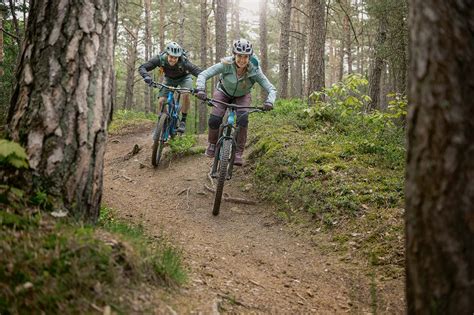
(159, 143)
(222, 169)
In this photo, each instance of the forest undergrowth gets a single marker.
(337, 169)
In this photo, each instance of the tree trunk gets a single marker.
(284, 48)
(440, 168)
(341, 60)
(236, 19)
(298, 82)
(182, 15)
(292, 65)
(347, 31)
(202, 105)
(147, 98)
(63, 100)
(131, 61)
(263, 43)
(348, 46)
(374, 80)
(15, 23)
(162, 25)
(317, 34)
(221, 29)
(210, 41)
(1, 43)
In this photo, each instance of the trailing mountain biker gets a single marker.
(177, 71)
(238, 74)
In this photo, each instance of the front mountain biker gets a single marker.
(238, 73)
(177, 71)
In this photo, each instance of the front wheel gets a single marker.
(158, 141)
(222, 171)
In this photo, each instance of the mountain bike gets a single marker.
(223, 164)
(167, 124)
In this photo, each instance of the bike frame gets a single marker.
(229, 130)
(173, 108)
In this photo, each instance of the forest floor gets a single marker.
(245, 260)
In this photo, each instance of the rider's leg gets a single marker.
(186, 82)
(184, 112)
(241, 138)
(213, 134)
(161, 101)
(243, 122)
(215, 120)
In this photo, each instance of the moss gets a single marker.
(339, 169)
(58, 266)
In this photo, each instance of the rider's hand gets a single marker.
(148, 80)
(202, 95)
(267, 106)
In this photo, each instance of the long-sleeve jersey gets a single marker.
(182, 68)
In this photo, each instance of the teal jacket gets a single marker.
(231, 85)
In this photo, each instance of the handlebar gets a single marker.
(171, 88)
(209, 101)
(235, 106)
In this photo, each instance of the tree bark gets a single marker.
(15, 23)
(376, 73)
(348, 44)
(440, 168)
(236, 19)
(298, 82)
(263, 43)
(147, 91)
(202, 105)
(221, 29)
(284, 48)
(317, 37)
(1, 43)
(63, 100)
(182, 15)
(162, 25)
(131, 61)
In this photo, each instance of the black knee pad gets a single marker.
(214, 121)
(243, 119)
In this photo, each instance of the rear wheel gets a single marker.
(158, 142)
(222, 171)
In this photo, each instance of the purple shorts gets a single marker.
(219, 109)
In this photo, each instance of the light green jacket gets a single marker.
(233, 86)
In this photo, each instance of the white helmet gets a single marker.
(242, 47)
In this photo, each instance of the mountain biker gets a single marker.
(177, 71)
(238, 73)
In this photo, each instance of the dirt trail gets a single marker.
(244, 260)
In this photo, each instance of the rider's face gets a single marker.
(242, 60)
(172, 60)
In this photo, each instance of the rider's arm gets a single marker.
(208, 73)
(149, 65)
(192, 68)
(264, 83)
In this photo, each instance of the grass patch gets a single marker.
(159, 257)
(124, 119)
(342, 169)
(185, 145)
(55, 266)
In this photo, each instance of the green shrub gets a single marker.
(49, 266)
(125, 118)
(332, 160)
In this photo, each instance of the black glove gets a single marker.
(267, 106)
(148, 80)
(202, 95)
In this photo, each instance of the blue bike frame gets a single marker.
(173, 112)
